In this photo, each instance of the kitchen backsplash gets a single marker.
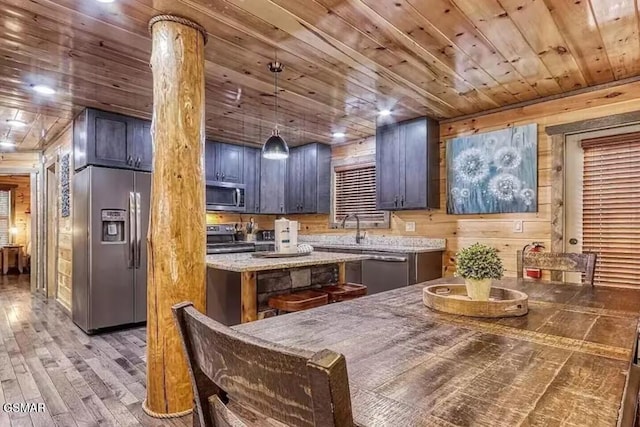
(372, 239)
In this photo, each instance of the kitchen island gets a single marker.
(570, 361)
(232, 280)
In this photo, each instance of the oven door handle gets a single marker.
(385, 258)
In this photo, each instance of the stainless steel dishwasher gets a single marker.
(390, 270)
(385, 271)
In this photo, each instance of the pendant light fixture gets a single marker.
(275, 148)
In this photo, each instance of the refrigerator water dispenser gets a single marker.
(113, 225)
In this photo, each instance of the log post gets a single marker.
(176, 241)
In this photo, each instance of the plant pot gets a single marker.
(478, 289)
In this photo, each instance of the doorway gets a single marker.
(51, 232)
(574, 166)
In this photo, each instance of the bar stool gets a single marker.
(344, 291)
(298, 301)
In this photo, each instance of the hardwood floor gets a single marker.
(82, 380)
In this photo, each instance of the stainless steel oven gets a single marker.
(221, 239)
(225, 196)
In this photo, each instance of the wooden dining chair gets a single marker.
(239, 380)
(565, 262)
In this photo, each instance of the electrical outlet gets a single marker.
(410, 226)
(517, 226)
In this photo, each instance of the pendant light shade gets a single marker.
(275, 148)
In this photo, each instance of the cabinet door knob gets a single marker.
(139, 161)
(129, 160)
(402, 201)
(217, 175)
(223, 176)
(395, 201)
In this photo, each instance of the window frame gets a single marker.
(353, 163)
(11, 190)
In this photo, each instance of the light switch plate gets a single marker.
(517, 226)
(410, 226)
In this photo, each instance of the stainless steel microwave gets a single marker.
(225, 196)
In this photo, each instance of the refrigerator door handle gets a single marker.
(132, 230)
(138, 231)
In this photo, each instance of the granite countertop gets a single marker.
(373, 242)
(244, 262)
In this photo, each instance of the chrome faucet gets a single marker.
(344, 220)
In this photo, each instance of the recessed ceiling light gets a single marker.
(16, 123)
(339, 134)
(105, 1)
(383, 113)
(7, 144)
(44, 90)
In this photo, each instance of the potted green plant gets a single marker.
(479, 265)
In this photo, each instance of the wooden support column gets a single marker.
(176, 241)
(249, 297)
(342, 272)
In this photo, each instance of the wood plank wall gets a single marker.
(61, 146)
(25, 160)
(495, 230)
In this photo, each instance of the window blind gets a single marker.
(355, 193)
(5, 216)
(611, 207)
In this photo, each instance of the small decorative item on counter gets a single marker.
(252, 229)
(479, 265)
(305, 248)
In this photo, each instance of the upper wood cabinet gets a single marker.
(224, 162)
(273, 174)
(143, 146)
(108, 139)
(308, 185)
(251, 179)
(407, 165)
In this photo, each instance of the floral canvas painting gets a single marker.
(493, 172)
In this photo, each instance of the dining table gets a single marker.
(570, 361)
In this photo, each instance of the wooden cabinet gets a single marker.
(251, 179)
(308, 186)
(143, 146)
(295, 181)
(273, 174)
(407, 165)
(224, 162)
(387, 167)
(108, 139)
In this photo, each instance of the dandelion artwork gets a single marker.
(493, 172)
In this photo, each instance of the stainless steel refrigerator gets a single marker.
(110, 223)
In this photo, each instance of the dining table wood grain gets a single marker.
(564, 363)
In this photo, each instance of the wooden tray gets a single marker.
(453, 299)
(278, 254)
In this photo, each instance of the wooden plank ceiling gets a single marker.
(345, 60)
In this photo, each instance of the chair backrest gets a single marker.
(573, 262)
(295, 387)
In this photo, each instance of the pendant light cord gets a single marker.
(276, 93)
